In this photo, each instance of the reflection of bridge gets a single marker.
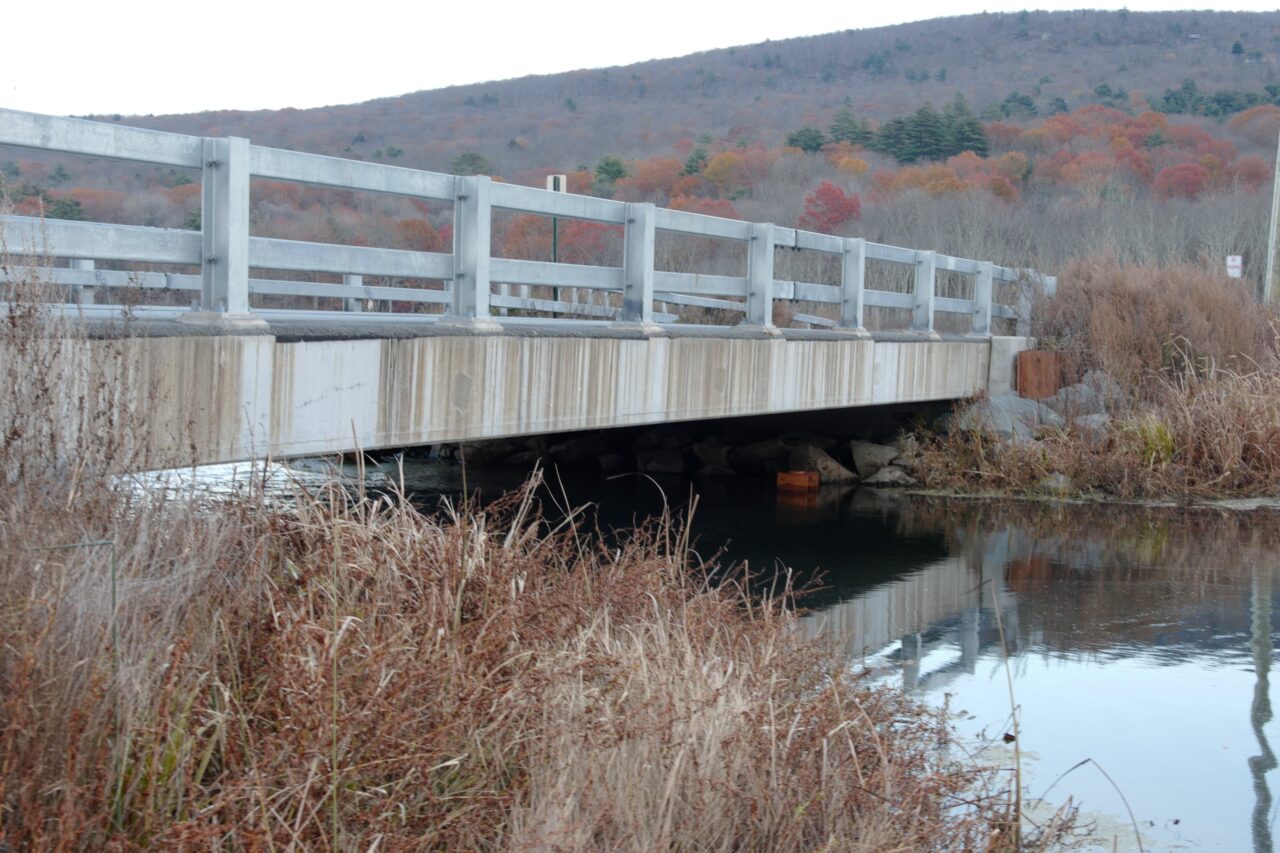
(913, 609)
(236, 378)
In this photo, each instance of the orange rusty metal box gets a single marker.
(797, 481)
(1039, 374)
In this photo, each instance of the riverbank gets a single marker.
(1176, 397)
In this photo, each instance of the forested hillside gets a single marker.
(1005, 65)
(1028, 138)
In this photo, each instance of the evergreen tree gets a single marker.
(846, 127)
(926, 136)
(808, 139)
(610, 170)
(964, 131)
(696, 162)
(892, 139)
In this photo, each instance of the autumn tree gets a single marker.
(828, 207)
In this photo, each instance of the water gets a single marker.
(1137, 640)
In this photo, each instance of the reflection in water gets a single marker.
(1260, 711)
(1135, 637)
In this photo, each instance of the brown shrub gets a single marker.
(1133, 321)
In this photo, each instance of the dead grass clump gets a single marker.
(1188, 436)
(1134, 321)
(357, 674)
(1196, 360)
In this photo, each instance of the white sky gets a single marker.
(73, 57)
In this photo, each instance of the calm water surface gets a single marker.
(1138, 640)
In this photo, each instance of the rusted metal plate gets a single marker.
(1039, 373)
(797, 481)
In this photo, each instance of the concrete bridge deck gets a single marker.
(292, 390)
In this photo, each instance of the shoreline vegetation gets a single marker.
(1191, 362)
(346, 672)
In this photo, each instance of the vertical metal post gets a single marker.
(471, 243)
(760, 275)
(853, 278)
(983, 293)
(83, 293)
(1023, 309)
(1268, 283)
(639, 239)
(224, 208)
(352, 303)
(926, 282)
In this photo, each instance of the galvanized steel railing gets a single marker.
(225, 251)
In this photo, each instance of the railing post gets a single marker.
(225, 226)
(352, 303)
(84, 294)
(853, 277)
(760, 276)
(472, 224)
(1022, 325)
(983, 293)
(638, 239)
(926, 284)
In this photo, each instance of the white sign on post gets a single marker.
(1235, 266)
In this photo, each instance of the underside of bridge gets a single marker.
(295, 392)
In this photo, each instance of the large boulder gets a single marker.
(806, 457)
(576, 449)
(763, 457)
(1094, 426)
(888, 477)
(660, 462)
(1074, 400)
(712, 452)
(869, 458)
(1008, 416)
(1105, 387)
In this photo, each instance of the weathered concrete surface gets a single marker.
(224, 398)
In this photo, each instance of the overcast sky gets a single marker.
(75, 58)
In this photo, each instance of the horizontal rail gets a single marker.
(533, 200)
(695, 283)
(339, 173)
(186, 282)
(100, 241)
(100, 139)
(803, 291)
(814, 320)
(512, 271)
(794, 238)
(554, 306)
(272, 254)
(954, 306)
(892, 254)
(889, 299)
(699, 301)
(698, 224)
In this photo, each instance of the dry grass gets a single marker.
(1197, 359)
(348, 673)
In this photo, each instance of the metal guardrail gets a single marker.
(225, 251)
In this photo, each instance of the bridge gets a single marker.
(488, 346)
